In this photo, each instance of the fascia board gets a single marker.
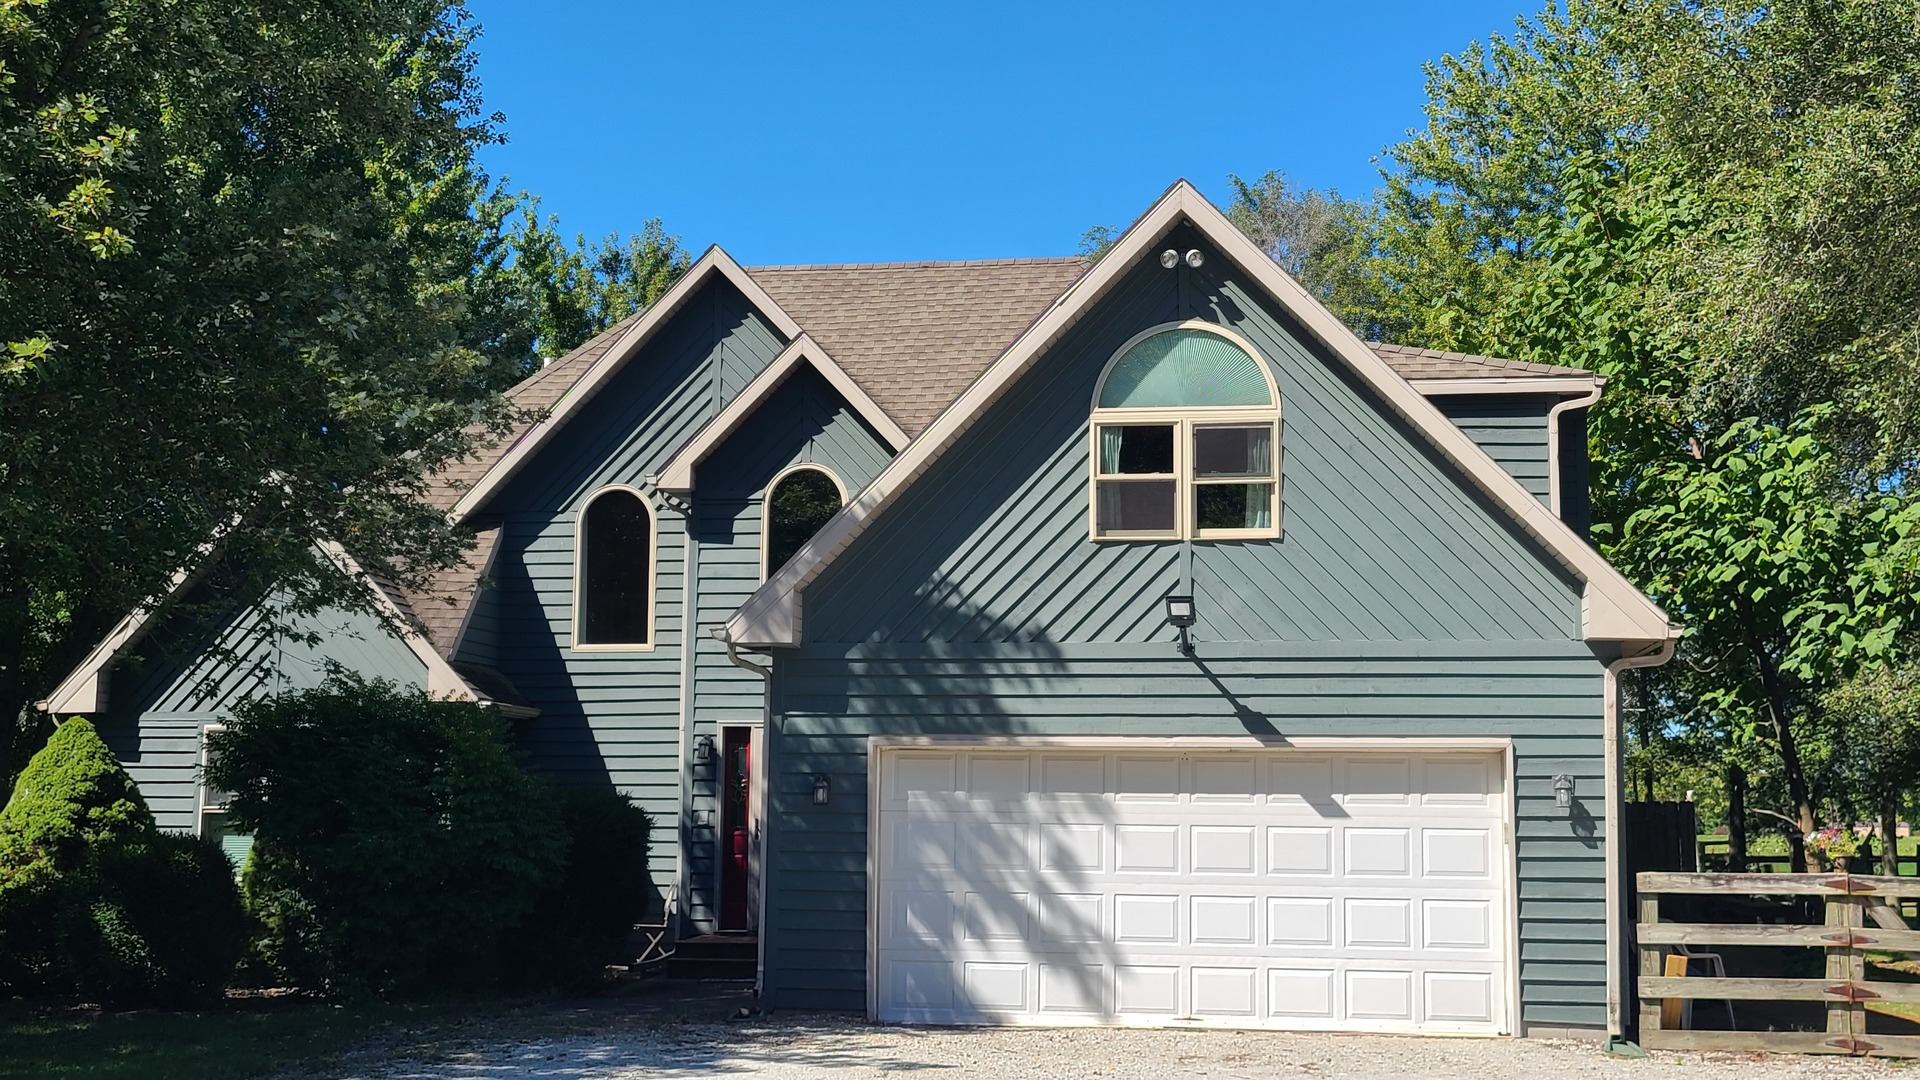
(677, 474)
(466, 617)
(84, 688)
(770, 617)
(442, 681)
(1521, 384)
(713, 261)
(1631, 615)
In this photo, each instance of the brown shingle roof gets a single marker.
(913, 334)
(1414, 363)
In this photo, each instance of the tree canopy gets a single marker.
(254, 284)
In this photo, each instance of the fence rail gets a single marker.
(1851, 902)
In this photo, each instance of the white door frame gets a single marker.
(877, 745)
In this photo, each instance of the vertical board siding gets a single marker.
(1512, 429)
(185, 677)
(1382, 539)
(804, 421)
(1545, 697)
(1398, 602)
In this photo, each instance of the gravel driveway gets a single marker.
(800, 1047)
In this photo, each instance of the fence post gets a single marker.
(1846, 966)
(1649, 965)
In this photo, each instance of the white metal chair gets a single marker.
(656, 946)
(1716, 968)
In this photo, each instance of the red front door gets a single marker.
(735, 825)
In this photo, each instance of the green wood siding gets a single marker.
(614, 716)
(1398, 602)
(805, 421)
(1511, 428)
(184, 677)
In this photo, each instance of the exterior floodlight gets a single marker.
(1180, 616)
(1195, 258)
(822, 789)
(1169, 258)
(1563, 791)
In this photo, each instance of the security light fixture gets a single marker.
(1180, 616)
(703, 748)
(1169, 258)
(1563, 791)
(1195, 258)
(822, 789)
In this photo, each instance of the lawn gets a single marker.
(246, 1038)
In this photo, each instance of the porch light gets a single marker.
(1563, 791)
(822, 789)
(703, 748)
(1180, 616)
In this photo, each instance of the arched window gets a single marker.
(799, 501)
(614, 561)
(1186, 434)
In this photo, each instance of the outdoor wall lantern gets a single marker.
(1181, 617)
(1563, 791)
(703, 748)
(822, 789)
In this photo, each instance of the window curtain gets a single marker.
(1260, 453)
(1260, 507)
(1110, 449)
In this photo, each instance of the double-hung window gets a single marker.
(1186, 436)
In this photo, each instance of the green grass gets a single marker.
(241, 1040)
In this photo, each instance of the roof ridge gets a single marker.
(924, 264)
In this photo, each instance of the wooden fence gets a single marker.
(1851, 903)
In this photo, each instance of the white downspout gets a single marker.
(1616, 936)
(1553, 440)
(761, 772)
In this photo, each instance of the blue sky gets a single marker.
(817, 132)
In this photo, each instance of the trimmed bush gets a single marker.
(396, 837)
(581, 924)
(96, 903)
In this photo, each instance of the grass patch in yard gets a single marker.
(244, 1039)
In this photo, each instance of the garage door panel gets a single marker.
(1270, 889)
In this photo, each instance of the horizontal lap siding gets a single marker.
(1512, 429)
(614, 716)
(1547, 699)
(184, 678)
(805, 421)
(1399, 602)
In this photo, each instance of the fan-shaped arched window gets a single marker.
(614, 558)
(799, 501)
(1186, 436)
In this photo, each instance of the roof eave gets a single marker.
(1612, 609)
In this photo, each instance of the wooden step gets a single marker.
(729, 957)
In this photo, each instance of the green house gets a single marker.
(1035, 642)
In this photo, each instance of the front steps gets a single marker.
(715, 958)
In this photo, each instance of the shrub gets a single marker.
(581, 923)
(98, 904)
(395, 836)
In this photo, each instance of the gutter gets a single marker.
(1616, 930)
(761, 771)
(1553, 440)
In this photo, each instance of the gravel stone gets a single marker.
(801, 1047)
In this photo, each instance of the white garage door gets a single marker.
(1252, 888)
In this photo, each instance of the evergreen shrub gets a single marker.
(581, 923)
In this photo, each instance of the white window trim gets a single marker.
(1183, 419)
(201, 809)
(766, 504)
(580, 572)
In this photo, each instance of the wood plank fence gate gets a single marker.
(1858, 917)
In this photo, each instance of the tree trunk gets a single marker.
(1736, 819)
(1889, 837)
(1774, 694)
